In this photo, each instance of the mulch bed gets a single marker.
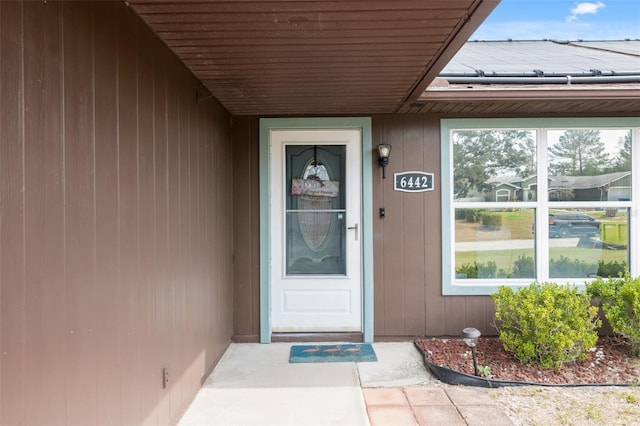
(609, 362)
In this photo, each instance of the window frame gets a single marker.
(468, 287)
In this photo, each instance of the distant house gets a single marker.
(606, 187)
(510, 189)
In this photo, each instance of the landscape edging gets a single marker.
(452, 377)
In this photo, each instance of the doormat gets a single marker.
(360, 352)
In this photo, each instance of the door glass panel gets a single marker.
(315, 210)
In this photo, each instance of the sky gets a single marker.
(562, 20)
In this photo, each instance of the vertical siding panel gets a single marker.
(227, 238)
(161, 260)
(212, 258)
(254, 238)
(79, 213)
(224, 200)
(413, 258)
(216, 176)
(12, 266)
(129, 298)
(108, 376)
(208, 243)
(190, 309)
(44, 215)
(209, 266)
(213, 267)
(176, 298)
(379, 309)
(149, 372)
(455, 320)
(198, 234)
(200, 295)
(246, 237)
(394, 242)
(187, 255)
(478, 314)
(242, 234)
(435, 307)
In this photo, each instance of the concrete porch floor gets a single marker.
(255, 384)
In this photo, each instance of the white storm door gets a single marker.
(316, 271)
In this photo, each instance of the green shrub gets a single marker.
(563, 267)
(612, 268)
(602, 289)
(487, 270)
(480, 270)
(546, 324)
(620, 302)
(492, 220)
(468, 270)
(472, 215)
(524, 267)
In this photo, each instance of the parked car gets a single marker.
(562, 225)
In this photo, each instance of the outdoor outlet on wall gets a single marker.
(383, 212)
(165, 377)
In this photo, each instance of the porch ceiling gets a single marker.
(311, 57)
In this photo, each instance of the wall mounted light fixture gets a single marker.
(383, 158)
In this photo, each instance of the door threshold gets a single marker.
(316, 337)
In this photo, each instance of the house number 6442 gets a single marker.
(413, 181)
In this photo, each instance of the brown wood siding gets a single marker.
(246, 238)
(408, 243)
(115, 221)
(408, 297)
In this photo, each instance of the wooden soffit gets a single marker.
(546, 100)
(314, 57)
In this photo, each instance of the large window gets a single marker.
(538, 200)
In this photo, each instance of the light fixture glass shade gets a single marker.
(384, 150)
(470, 336)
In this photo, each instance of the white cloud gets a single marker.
(583, 9)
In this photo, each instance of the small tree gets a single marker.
(622, 162)
(578, 152)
